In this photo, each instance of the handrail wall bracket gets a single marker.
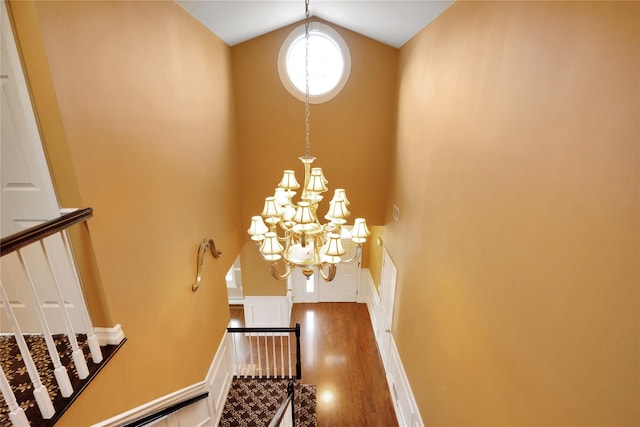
(207, 244)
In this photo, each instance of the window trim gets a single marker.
(282, 59)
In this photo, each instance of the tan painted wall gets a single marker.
(143, 97)
(518, 241)
(357, 124)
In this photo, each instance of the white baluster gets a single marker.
(39, 390)
(232, 337)
(289, 353)
(77, 354)
(281, 357)
(16, 413)
(266, 351)
(251, 354)
(59, 371)
(273, 346)
(92, 339)
(259, 356)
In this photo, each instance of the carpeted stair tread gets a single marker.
(254, 402)
(16, 373)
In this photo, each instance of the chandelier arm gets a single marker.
(276, 274)
(330, 275)
(355, 256)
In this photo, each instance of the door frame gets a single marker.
(388, 279)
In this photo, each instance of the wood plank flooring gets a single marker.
(340, 356)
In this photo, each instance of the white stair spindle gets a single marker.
(275, 361)
(59, 371)
(251, 355)
(289, 353)
(16, 413)
(266, 351)
(281, 357)
(92, 339)
(77, 354)
(39, 390)
(235, 353)
(259, 356)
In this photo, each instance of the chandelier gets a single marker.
(292, 232)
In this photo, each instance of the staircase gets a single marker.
(266, 388)
(48, 347)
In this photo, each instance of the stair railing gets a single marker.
(30, 258)
(266, 352)
(286, 411)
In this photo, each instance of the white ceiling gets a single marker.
(391, 22)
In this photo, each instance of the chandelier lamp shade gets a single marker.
(292, 232)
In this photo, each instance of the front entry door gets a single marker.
(304, 290)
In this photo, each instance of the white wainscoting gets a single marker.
(206, 412)
(371, 298)
(267, 311)
(401, 394)
(403, 401)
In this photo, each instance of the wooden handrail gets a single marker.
(166, 411)
(33, 234)
(261, 329)
(290, 399)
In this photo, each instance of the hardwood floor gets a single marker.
(340, 356)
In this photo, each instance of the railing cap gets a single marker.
(23, 238)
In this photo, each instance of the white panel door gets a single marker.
(387, 299)
(27, 196)
(344, 287)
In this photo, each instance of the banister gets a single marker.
(23, 238)
(295, 330)
(282, 410)
(166, 411)
(260, 329)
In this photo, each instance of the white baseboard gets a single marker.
(236, 300)
(109, 336)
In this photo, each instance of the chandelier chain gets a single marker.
(306, 81)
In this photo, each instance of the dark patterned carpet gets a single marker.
(16, 373)
(254, 402)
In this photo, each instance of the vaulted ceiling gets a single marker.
(391, 22)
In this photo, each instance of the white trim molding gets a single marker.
(154, 406)
(372, 299)
(109, 336)
(219, 377)
(217, 383)
(404, 402)
(267, 311)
